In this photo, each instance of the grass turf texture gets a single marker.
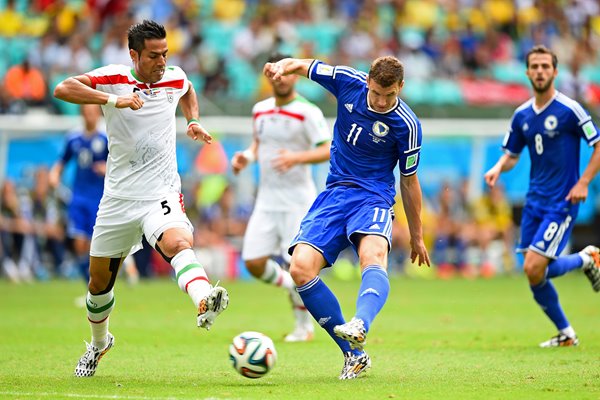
(452, 339)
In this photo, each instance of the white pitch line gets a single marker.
(98, 396)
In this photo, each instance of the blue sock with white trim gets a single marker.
(373, 293)
(564, 264)
(547, 297)
(320, 301)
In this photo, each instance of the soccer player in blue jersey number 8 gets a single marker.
(551, 126)
(374, 131)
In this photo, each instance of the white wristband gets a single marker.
(112, 100)
(249, 155)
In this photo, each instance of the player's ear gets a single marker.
(401, 84)
(133, 54)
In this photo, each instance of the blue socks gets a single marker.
(546, 296)
(373, 293)
(325, 308)
(564, 264)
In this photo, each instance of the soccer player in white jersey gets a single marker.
(551, 126)
(289, 134)
(142, 193)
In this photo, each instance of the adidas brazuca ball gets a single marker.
(252, 354)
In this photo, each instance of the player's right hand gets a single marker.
(491, 177)
(132, 101)
(275, 71)
(238, 162)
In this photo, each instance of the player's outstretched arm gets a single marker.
(287, 66)
(579, 192)
(286, 159)
(190, 109)
(78, 90)
(410, 190)
(505, 163)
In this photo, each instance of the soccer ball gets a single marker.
(252, 354)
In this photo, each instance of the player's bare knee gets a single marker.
(96, 286)
(535, 273)
(168, 247)
(301, 274)
(373, 256)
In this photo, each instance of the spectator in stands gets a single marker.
(48, 225)
(13, 228)
(25, 83)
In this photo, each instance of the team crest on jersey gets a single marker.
(550, 124)
(97, 145)
(525, 127)
(380, 129)
(169, 95)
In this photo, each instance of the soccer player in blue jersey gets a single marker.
(374, 131)
(551, 125)
(89, 149)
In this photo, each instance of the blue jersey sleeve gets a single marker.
(514, 140)
(336, 79)
(409, 151)
(586, 127)
(68, 150)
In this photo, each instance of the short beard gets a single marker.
(544, 89)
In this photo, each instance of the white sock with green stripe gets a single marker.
(190, 275)
(275, 275)
(98, 309)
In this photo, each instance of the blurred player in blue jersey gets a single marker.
(89, 149)
(551, 125)
(374, 132)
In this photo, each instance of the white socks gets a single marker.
(190, 275)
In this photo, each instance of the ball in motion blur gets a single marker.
(252, 354)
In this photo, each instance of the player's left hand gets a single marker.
(419, 252)
(196, 131)
(578, 193)
(284, 160)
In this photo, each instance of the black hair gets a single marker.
(138, 33)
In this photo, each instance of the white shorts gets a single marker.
(269, 233)
(120, 223)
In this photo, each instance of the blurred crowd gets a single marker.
(446, 45)
(466, 238)
(455, 52)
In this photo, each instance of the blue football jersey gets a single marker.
(86, 151)
(367, 145)
(552, 135)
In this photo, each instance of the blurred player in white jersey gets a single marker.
(289, 134)
(142, 192)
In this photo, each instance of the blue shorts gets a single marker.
(340, 212)
(82, 217)
(546, 230)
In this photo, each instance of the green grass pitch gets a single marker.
(456, 339)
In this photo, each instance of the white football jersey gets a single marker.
(141, 162)
(296, 126)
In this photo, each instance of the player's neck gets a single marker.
(541, 99)
(281, 101)
(136, 74)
